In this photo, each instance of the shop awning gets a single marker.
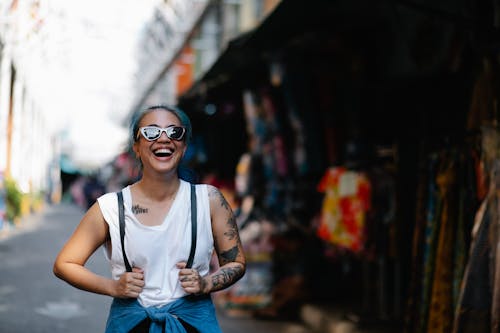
(293, 19)
(289, 19)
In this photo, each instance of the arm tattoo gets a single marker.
(225, 277)
(216, 244)
(136, 209)
(229, 255)
(215, 192)
(232, 233)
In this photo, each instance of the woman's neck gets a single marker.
(158, 188)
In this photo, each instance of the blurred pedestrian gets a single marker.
(77, 193)
(160, 277)
(92, 190)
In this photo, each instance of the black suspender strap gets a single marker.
(121, 217)
(194, 214)
(194, 219)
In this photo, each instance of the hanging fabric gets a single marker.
(447, 204)
(434, 204)
(345, 205)
(478, 307)
(441, 303)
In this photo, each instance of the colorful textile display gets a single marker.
(447, 205)
(345, 205)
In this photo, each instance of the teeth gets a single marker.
(163, 151)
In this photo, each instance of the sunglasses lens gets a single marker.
(151, 133)
(175, 132)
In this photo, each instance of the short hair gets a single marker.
(183, 117)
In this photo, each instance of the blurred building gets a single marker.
(184, 38)
(28, 149)
(360, 141)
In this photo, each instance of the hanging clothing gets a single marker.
(441, 302)
(478, 307)
(345, 205)
(473, 311)
(441, 243)
(434, 204)
(415, 288)
(467, 207)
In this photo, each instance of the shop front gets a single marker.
(357, 141)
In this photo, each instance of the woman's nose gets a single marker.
(163, 137)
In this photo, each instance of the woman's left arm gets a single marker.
(227, 243)
(227, 246)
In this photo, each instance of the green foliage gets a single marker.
(13, 199)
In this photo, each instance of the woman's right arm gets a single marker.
(69, 265)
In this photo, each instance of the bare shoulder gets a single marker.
(95, 214)
(216, 198)
(93, 223)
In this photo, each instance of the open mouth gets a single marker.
(163, 152)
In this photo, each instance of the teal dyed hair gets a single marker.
(183, 117)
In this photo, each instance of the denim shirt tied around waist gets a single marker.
(197, 311)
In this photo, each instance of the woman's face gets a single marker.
(163, 154)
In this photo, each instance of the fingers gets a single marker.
(135, 279)
(137, 274)
(130, 284)
(190, 280)
(181, 264)
(188, 272)
(183, 270)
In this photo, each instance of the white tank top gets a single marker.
(157, 249)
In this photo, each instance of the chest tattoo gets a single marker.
(136, 209)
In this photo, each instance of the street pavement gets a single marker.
(33, 300)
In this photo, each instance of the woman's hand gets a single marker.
(190, 279)
(130, 284)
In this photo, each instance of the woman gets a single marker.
(160, 293)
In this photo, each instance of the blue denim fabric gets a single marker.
(198, 312)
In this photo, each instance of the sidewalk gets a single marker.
(26, 223)
(316, 318)
(330, 319)
(28, 249)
